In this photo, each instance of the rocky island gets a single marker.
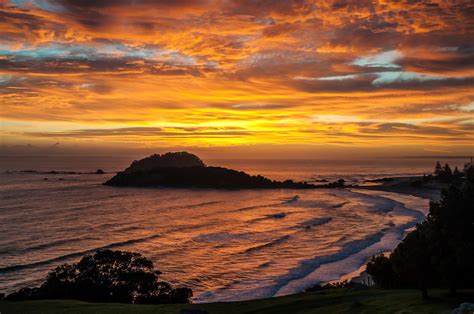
(182, 169)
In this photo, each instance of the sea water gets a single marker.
(225, 245)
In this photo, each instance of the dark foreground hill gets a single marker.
(187, 170)
(340, 301)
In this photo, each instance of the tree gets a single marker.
(438, 169)
(468, 169)
(107, 276)
(411, 261)
(381, 270)
(443, 173)
(456, 173)
(451, 223)
(447, 172)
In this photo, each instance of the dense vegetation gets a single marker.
(439, 252)
(106, 276)
(447, 175)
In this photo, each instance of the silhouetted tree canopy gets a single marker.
(451, 231)
(107, 276)
(438, 169)
(456, 173)
(381, 270)
(411, 261)
(468, 169)
(444, 173)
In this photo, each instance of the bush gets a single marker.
(381, 270)
(331, 285)
(107, 276)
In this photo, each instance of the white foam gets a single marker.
(334, 270)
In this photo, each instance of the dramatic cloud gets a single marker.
(237, 72)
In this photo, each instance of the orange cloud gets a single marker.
(221, 72)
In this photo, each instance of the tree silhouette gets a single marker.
(381, 270)
(107, 276)
(443, 173)
(456, 173)
(438, 169)
(447, 172)
(468, 169)
(411, 261)
(451, 223)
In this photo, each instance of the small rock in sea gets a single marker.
(61, 179)
(278, 215)
(99, 171)
(45, 179)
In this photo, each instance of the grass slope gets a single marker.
(327, 301)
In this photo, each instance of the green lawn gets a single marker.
(327, 301)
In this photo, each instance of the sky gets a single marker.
(277, 78)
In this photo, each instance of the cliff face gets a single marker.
(187, 170)
(168, 160)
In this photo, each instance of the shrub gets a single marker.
(107, 276)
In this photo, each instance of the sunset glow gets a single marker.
(182, 73)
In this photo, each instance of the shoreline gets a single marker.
(353, 266)
(398, 185)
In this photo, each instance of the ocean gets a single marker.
(225, 245)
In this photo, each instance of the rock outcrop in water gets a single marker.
(183, 169)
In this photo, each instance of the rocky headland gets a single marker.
(182, 169)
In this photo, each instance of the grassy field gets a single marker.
(327, 301)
